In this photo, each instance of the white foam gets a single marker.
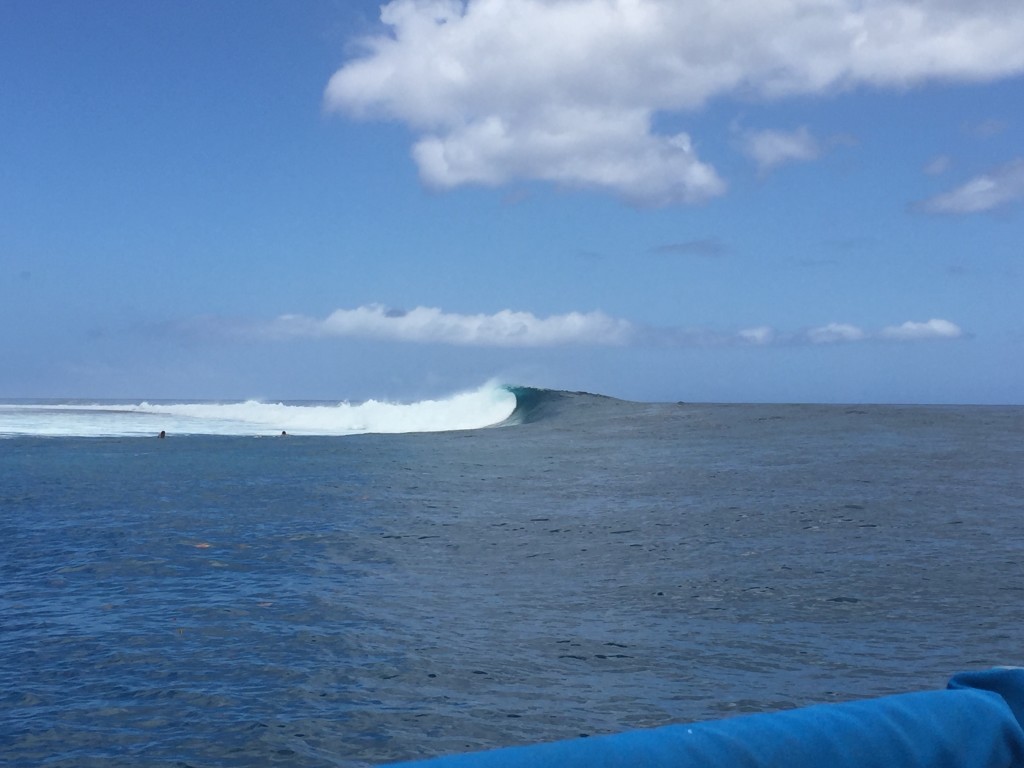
(486, 406)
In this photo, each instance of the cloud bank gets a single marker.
(566, 91)
(933, 329)
(430, 325)
(844, 333)
(507, 328)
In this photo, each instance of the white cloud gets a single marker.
(933, 329)
(430, 325)
(835, 332)
(566, 90)
(761, 335)
(770, 149)
(1001, 187)
(508, 328)
(592, 150)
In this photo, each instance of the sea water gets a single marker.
(587, 566)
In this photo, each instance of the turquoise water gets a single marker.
(343, 601)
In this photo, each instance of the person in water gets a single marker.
(162, 434)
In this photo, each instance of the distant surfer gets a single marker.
(162, 434)
(283, 433)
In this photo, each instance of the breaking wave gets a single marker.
(487, 406)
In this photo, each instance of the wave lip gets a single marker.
(533, 404)
(486, 406)
(569, 408)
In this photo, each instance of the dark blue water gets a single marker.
(218, 601)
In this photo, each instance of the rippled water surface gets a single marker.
(218, 601)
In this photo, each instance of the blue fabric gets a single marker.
(975, 723)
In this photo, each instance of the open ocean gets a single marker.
(343, 597)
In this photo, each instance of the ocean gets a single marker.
(507, 566)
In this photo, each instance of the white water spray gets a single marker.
(489, 405)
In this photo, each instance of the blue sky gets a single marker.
(784, 200)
